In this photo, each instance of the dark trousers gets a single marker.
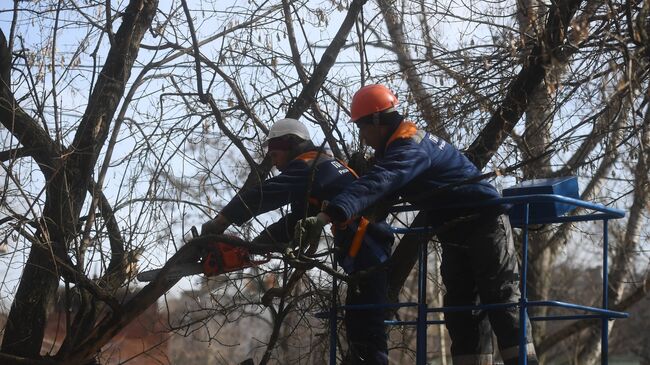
(480, 265)
(365, 328)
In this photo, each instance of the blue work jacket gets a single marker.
(307, 181)
(413, 163)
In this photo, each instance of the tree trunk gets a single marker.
(520, 90)
(67, 188)
(536, 141)
(624, 254)
(26, 322)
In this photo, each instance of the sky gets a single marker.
(73, 100)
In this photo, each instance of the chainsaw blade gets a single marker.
(176, 272)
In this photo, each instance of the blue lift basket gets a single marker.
(540, 201)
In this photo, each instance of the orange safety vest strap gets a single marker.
(405, 130)
(311, 155)
(358, 237)
(354, 173)
(307, 156)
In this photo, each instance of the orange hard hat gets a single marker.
(371, 99)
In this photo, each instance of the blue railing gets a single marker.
(595, 212)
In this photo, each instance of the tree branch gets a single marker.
(114, 322)
(428, 111)
(26, 130)
(109, 90)
(302, 74)
(308, 94)
(520, 89)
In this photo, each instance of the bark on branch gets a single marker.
(22, 126)
(521, 88)
(109, 90)
(114, 322)
(302, 74)
(67, 184)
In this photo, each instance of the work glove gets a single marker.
(215, 226)
(307, 232)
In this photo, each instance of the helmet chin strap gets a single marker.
(391, 125)
(376, 118)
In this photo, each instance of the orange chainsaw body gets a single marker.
(222, 258)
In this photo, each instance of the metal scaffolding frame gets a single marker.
(598, 212)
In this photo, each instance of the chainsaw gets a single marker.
(223, 255)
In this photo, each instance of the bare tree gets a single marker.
(68, 170)
(126, 123)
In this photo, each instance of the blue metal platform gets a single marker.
(522, 205)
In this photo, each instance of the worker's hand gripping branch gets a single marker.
(215, 226)
(307, 232)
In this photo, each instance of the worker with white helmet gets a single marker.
(287, 126)
(309, 178)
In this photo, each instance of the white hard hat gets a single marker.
(287, 126)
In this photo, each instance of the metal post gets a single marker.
(604, 330)
(523, 353)
(333, 318)
(421, 344)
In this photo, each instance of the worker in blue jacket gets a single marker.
(479, 262)
(309, 178)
